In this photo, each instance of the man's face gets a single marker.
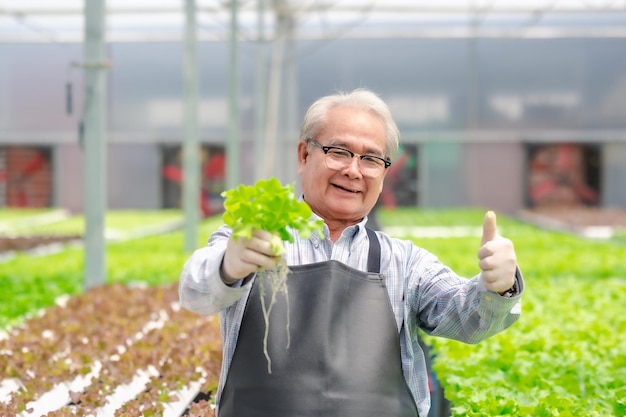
(343, 195)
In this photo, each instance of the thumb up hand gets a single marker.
(497, 259)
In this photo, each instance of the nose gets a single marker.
(353, 169)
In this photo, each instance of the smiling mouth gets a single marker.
(345, 189)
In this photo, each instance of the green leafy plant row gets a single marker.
(31, 283)
(566, 355)
(117, 222)
(13, 214)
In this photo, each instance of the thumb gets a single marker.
(490, 230)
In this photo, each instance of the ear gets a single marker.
(303, 152)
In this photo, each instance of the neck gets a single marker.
(336, 227)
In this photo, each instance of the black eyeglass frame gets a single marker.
(325, 149)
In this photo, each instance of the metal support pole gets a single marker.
(233, 142)
(274, 92)
(191, 146)
(95, 146)
(261, 92)
(289, 104)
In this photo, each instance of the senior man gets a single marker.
(357, 297)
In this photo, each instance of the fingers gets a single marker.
(498, 269)
(490, 230)
(260, 242)
(258, 260)
(497, 259)
(246, 256)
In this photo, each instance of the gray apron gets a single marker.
(343, 358)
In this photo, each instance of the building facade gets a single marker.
(498, 123)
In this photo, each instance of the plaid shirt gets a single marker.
(424, 294)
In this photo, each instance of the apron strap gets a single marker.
(373, 260)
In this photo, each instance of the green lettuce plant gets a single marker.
(270, 206)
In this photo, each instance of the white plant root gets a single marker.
(276, 278)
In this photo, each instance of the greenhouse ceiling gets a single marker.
(164, 20)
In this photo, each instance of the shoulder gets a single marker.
(223, 232)
(402, 250)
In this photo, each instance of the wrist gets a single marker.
(510, 292)
(225, 277)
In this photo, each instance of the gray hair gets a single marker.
(360, 98)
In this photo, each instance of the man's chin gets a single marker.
(344, 212)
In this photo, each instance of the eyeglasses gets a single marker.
(339, 158)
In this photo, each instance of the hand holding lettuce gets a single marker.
(260, 217)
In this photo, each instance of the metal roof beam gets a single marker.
(614, 32)
(317, 7)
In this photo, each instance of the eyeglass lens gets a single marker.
(337, 159)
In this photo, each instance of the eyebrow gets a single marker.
(341, 144)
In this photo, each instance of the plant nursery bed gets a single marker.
(26, 243)
(586, 221)
(115, 350)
